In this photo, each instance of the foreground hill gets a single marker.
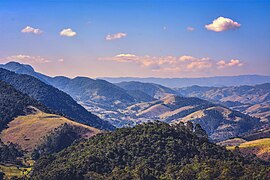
(252, 100)
(53, 98)
(219, 122)
(149, 151)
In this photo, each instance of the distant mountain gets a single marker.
(149, 151)
(24, 69)
(94, 92)
(53, 98)
(98, 96)
(154, 90)
(89, 92)
(252, 100)
(218, 81)
(219, 122)
(131, 103)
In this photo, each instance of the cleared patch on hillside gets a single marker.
(28, 131)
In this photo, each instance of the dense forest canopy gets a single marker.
(149, 151)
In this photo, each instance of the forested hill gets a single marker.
(149, 151)
(14, 103)
(53, 98)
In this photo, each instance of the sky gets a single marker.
(153, 38)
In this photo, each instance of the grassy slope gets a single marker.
(27, 131)
(260, 147)
(13, 170)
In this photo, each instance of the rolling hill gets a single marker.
(252, 100)
(259, 147)
(29, 131)
(25, 121)
(219, 122)
(52, 98)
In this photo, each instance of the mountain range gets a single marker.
(131, 103)
(252, 100)
(217, 81)
(58, 123)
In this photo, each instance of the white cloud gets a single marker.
(29, 29)
(119, 35)
(27, 59)
(68, 32)
(173, 63)
(61, 60)
(190, 28)
(231, 63)
(222, 24)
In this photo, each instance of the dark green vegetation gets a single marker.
(149, 151)
(57, 140)
(9, 153)
(14, 103)
(53, 98)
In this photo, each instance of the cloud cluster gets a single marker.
(68, 32)
(29, 29)
(119, 35)
(174, 63)
(27, 59)
(222, 24)
(231, 63)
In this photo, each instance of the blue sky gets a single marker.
(155, 39)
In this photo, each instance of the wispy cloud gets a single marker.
(173, 63)
(27, 59)
(68, 32)
(190, 28)
(222, 24)
(29, 29)
(119, 35)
